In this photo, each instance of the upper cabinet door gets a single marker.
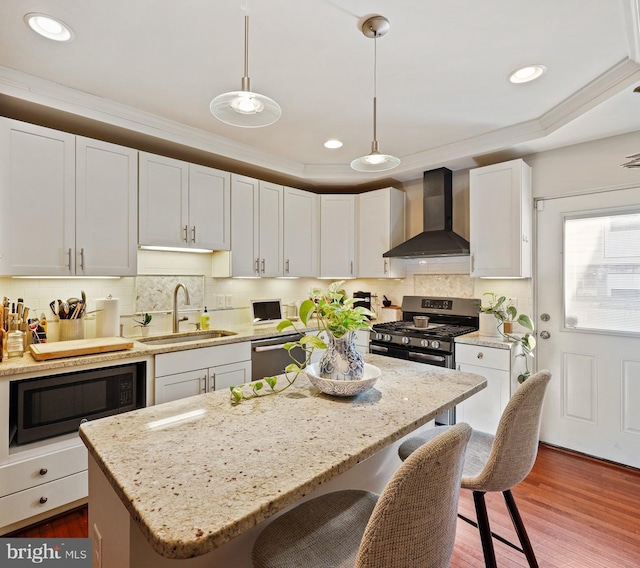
(501, 212)
(37, 229)
(301, 233)
(164, 201)
(271, 224)
(337, 236)
(381, 226)
(106, 209)
(245, 212)
(209, 208)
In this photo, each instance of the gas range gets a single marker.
(433, 345)
(448, 318)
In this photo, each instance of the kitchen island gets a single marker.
(190, 481)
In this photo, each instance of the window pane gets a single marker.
(602, 272)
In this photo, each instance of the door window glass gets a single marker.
(602, 272)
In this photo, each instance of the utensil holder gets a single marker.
(71, 329)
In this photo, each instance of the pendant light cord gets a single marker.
(375, 93)
(245, 79)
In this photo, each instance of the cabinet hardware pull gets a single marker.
(204, 384)
(43, 500)
(480, 355)
(257, 268)
(287, 267)
(193, 234)
(186, 233)
(44, 471)
(70, 260)
(351, 268)
(82, 259)
(473, 263)
(263, 266)
(386, 266)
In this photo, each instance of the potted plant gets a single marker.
(505, 315)
(144, 323)
(335, 315)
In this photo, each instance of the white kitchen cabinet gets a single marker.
(183, 205)
(257, 208)
(484, 409)
(337, 236)
(301, 233)
(195, 371)
(501, 216)
(69, 204)
(40, 484)
(381, 226)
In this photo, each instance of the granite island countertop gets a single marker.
(198, 472)
(485, 341)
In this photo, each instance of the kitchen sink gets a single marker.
(197, 336)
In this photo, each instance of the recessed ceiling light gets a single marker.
(333, 144)
(526, 74)
(49, 27)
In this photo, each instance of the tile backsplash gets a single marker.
(159, 272)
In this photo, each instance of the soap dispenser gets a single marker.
(205, 319)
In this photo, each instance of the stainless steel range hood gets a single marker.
(437, 238)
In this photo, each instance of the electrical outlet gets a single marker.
(227, 301)
(97, 547)
(219, 301)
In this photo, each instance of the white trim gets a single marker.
(632, 24)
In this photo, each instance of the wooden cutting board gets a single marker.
(75, 347)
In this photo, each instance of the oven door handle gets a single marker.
(379, 349)
(269, 347)
(426, 357)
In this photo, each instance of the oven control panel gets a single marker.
(436, 304)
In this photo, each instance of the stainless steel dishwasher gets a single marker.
(269, 358)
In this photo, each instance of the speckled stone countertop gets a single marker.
(11, 367)
(193, 484)
(485, 341)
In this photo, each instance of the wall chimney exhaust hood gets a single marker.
(437, 238)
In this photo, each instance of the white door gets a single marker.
(209, 208)
(271, 228)
(588, 321)
(106, 209)
(163, 201)
(245, 211)
(301, 233)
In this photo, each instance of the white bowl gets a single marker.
(343, 388)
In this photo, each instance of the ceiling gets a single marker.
(443, 95)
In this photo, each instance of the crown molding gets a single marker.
(457, 154)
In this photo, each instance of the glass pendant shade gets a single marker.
(375, 161)
(244, 108)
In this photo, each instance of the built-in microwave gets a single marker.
(45, 407)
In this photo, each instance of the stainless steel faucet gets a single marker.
(176, 320)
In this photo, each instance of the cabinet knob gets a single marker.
(480, 355)
(43, 500)
(44, 471)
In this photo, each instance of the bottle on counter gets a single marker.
(205, 319)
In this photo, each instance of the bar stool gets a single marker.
(500, 462)
(412, 524)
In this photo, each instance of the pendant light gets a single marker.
(375, 27)
(244, 108)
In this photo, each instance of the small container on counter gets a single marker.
(15, 343)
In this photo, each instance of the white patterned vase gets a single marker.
(342, 361)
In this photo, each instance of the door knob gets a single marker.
(545, 317)
(545, 335)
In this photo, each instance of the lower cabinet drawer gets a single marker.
(46, 497)
(491, 357)
(42, 469)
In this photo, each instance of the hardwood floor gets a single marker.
(579, 512)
